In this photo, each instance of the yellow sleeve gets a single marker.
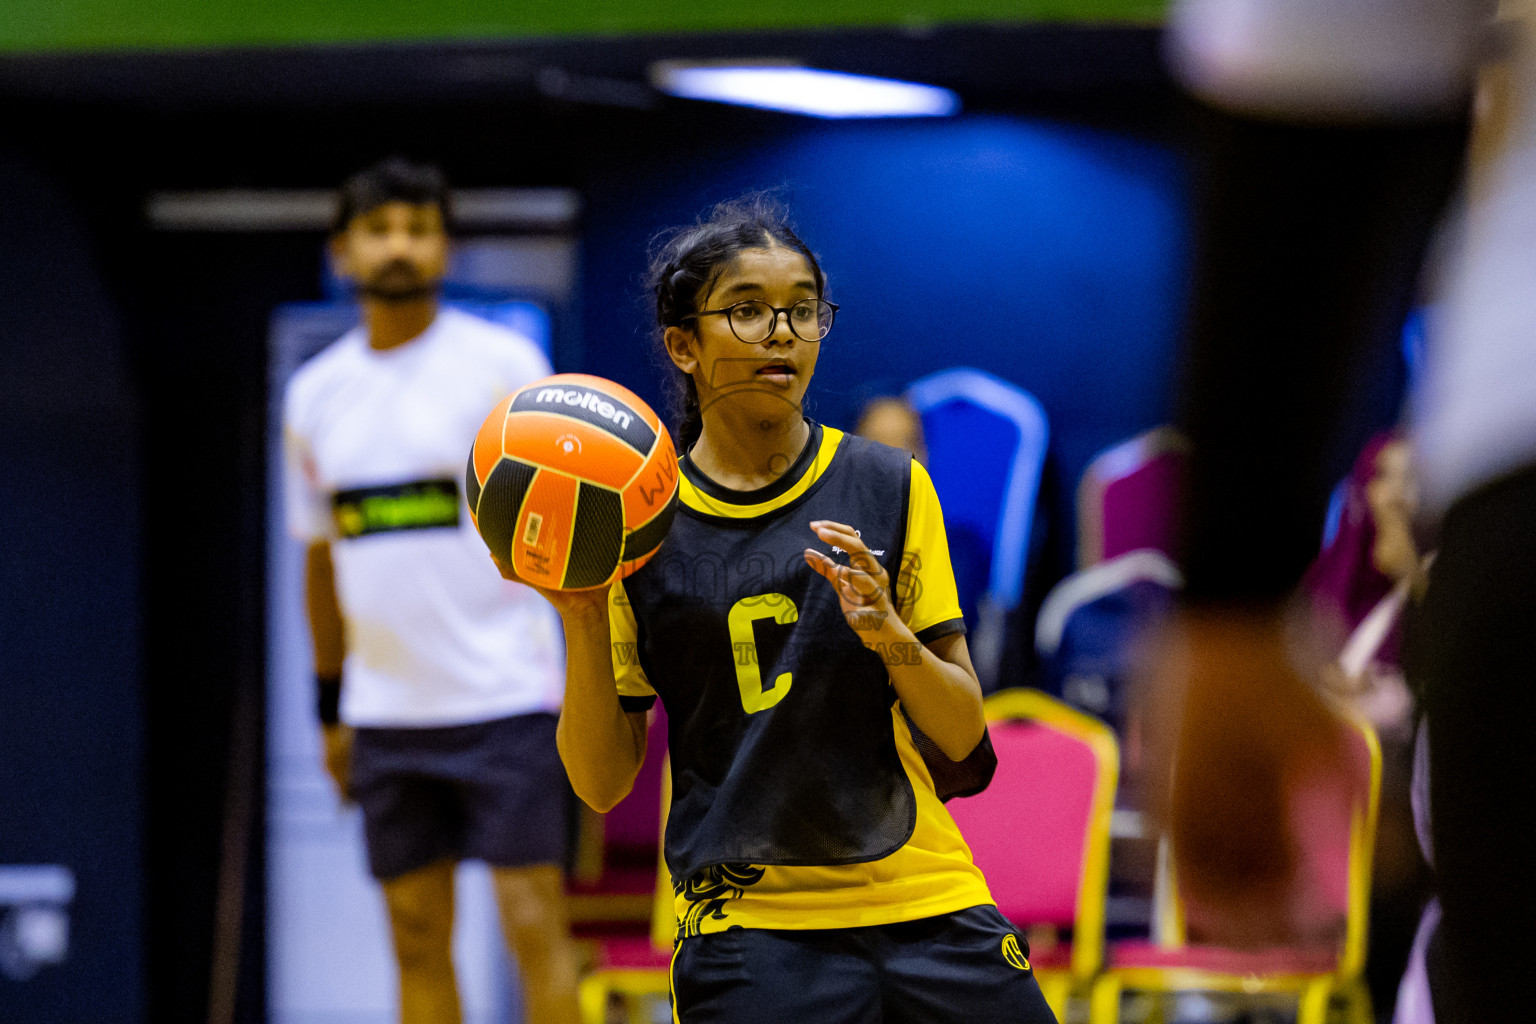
(635, 692)
(925, 590)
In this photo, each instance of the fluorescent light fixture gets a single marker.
(804, 90)
(312, 209)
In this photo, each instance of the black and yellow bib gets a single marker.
(749, 650)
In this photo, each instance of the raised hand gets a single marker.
(863, 586)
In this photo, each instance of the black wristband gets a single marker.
(328, 699)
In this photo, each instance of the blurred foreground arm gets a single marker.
(1330, 135)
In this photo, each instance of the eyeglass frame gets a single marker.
(726, 311)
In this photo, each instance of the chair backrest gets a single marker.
(1040, 831)
(1095, 582)
(1129, 495)
(986, 443)
(1333, 819)
(1090, 625)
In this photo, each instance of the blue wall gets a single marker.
(1052, 256)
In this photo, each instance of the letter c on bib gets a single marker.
(749, 678)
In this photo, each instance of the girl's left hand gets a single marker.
(863, 586)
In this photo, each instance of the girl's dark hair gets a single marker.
(393, 180)
(687, 261)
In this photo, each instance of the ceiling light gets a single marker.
(804, 90)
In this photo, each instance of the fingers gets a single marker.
(507, 572)
(854, 586)
(845, 537)
(592, 600)
(863, 581)
(823, 565)
(840, 534)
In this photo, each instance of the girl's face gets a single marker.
(765, 380)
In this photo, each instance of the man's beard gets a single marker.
(398, 281)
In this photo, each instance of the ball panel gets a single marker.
(487, 448)
(596, 538)
(569, 446)
(472, 488)
(543, 537)
(653, 484)
(642, 543)
(501, 498)
(582, 402)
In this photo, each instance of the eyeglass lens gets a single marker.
(754, 320)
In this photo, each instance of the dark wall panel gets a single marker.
(70, 721)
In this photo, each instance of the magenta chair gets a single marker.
(1128, 497)
(1040, 832)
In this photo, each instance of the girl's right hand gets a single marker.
(569, 603)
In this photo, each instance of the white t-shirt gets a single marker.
(375, 445)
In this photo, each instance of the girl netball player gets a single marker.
(818, 875)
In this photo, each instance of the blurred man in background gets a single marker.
(437, 680)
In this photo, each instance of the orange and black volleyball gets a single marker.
(573, 481)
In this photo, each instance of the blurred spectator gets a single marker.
(437, 681)
(890, 420)
(1359, 590)
(1361, 582)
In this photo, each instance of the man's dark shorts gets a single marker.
(492, 791)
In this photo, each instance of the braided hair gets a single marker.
(686, 262)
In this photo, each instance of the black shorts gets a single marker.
(493, 791)
(969, 967)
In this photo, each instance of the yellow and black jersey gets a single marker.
(799, 797)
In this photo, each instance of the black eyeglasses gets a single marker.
(754, 320)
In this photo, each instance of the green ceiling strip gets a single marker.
(41, 26)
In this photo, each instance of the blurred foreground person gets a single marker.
(1471, 650)
(1334, 142)
(445, 677)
